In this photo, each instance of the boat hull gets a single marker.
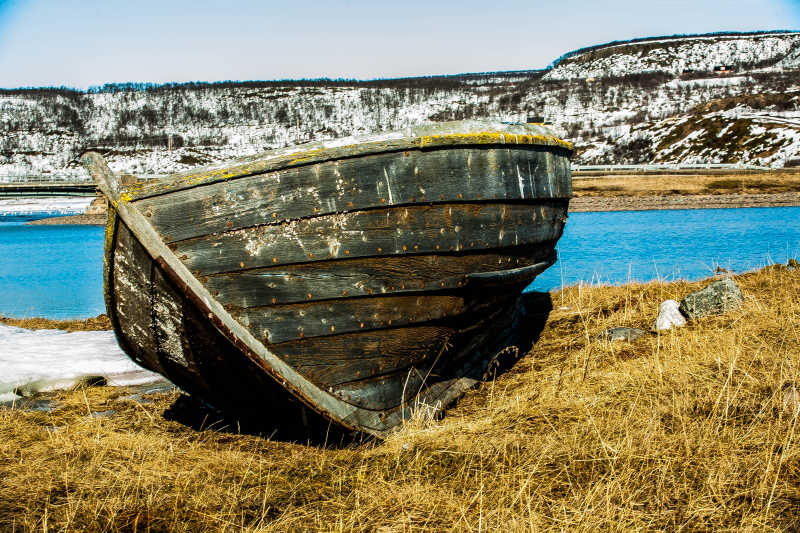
(359, 287)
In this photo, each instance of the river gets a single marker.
(56, 271)
(621, 246)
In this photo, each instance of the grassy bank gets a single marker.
(98, 323)
(681, 184)
(693, 429)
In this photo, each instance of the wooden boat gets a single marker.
(357, 279)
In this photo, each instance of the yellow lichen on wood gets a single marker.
(108, 245)
(491, 137)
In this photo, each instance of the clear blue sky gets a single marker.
(59, 42)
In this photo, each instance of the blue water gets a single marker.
(615, 247)
(56, 271)
(50, 271)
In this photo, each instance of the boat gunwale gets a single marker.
(274, 162)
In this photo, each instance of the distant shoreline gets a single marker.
(82, 220)
(588, 204)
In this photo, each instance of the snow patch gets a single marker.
(53, 359)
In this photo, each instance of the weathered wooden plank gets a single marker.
(167, 310)
(413, 229)
(446, 364)
(383, 392)
(357, 356)
(363, 276)
(131, 287)
(352, 356)
(443, 393)
(508, 277)
(399, 178)
(149, 312)
(282, 323)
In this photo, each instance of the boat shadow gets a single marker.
(308, 429)
(301, 425)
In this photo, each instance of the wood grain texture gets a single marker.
(404, 230)
(342, 186)
(166, 307)
(281, 323)
(356, 356)
(132, 271)
(383, 392)
(363, 276)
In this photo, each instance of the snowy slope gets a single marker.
(613, 102)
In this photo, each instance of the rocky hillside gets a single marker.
(661, 100)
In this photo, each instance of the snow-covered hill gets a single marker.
(683, 55)
(657, 100)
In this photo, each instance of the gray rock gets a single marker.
(791, 400)
(669, 316)
(718, 298)
(621, 334)
(28, 390)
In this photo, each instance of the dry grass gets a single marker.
(695, 429)
(763, 183)
(98, 323)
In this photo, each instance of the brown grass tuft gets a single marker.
(692, 429)
(678, 184)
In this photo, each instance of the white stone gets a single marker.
(791, 400)
(669, 316)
